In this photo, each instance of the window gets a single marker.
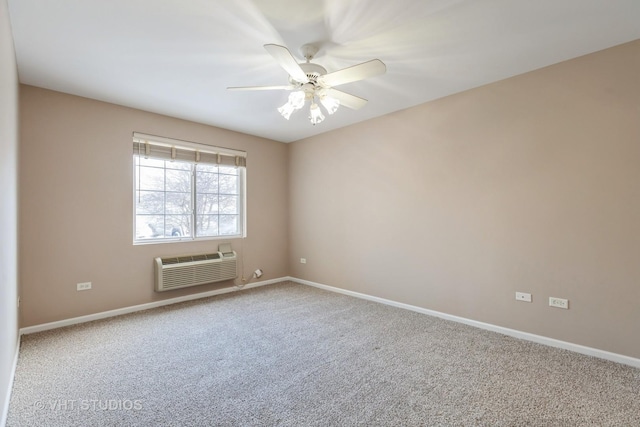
(183, 193)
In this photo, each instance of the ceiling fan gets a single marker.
(309, 81)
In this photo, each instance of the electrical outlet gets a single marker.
(522, 296)
(83, 286)
(559, 303)
(303, 260)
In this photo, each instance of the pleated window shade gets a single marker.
(155, 147)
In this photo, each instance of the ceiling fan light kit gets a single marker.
(310, 81)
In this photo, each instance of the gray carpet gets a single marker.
(292, 355)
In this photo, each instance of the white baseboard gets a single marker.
(147, 306)
(5, 407)
(602, 354)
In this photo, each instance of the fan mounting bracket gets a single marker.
(308, 51)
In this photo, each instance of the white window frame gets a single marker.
(186, 147)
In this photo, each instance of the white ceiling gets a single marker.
(176, 57)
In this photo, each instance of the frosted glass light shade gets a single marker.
(297, 99)
(286, 110)
(331, 104)
(316, 115)
(295, 102)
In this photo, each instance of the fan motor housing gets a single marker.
(313, 71)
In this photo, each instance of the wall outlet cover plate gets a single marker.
(523, 296)
(559, 302)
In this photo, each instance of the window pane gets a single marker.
(228, 184)
(204, 167)
(178, 226)
(148, 162)
(206, 182)
(228, 224)
(149, 226)
(184, 166)
(207, 204)
(178, 180)
(228, 204)
(150, 202)
(149, 178)
(178, 203)
(229, 170)
(206, 225)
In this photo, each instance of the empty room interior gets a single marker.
(320, 213)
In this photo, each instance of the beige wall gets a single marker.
(8, 205)
(530, 184)
(76, 205)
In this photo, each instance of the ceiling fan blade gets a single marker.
(346, 99)
(362, 71)
(284, 58)
(287, 87)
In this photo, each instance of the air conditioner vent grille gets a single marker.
(193, 270)
(190, 258)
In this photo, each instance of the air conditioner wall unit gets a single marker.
(193, 270)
